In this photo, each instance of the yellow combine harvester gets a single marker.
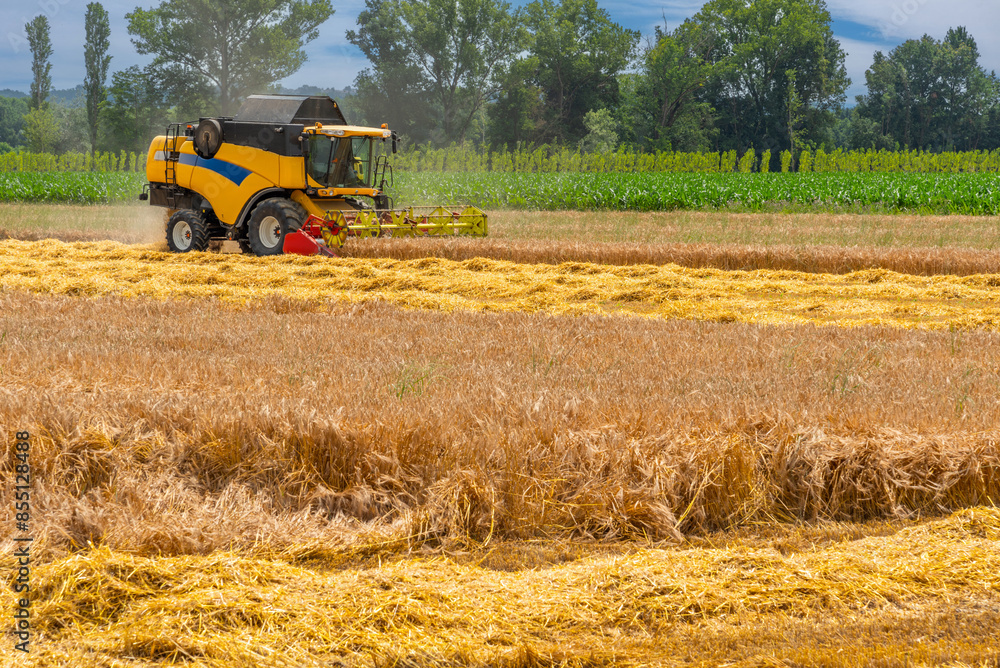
(286, 174)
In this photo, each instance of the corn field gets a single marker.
(548, 159)
(941, 193)
(20, 161)
(71, 187)
(968, 194)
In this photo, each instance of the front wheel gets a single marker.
(187, 230)
(271, 222)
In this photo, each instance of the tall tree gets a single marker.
(769, 54)
(41, 130)
(136, 110)
(928, 94)
(392, 90)
(677, 66)
(41, 67)
(97, 61)
(454, 52)
(576, 53)
(237, 46)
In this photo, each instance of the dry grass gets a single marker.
(815, 259)
(185, 427)
(866, 297)
(126, 223)
(822, 243)
(68, 223)
(921, 595)
(309, 481)
(753, 229)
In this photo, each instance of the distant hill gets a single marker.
(71, 97)
(68, 97)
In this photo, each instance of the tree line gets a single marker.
(766, 76)
(207, 56)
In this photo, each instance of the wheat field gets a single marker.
(434, 461)
(877, 296)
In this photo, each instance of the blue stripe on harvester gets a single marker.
(234, 173)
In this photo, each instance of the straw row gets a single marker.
(838, 604)
(874, 296)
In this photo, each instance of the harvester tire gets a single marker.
(271, 221)
(187, 230)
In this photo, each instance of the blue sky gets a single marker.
(863, 26)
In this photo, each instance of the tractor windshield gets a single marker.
(340, 162)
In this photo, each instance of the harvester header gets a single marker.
(286, 174)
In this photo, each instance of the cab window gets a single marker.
(320, 150)
(340, 162)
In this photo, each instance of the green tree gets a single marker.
(237, 46)
(454, 52)
(41, 130)
(137, 109)
(12, 112)
(927, 94)
(97, 61)
(72, 125)
(764, 51)
(41, 66)
(576, 53)
(601, 135)
(676, 69)
(391, 91)
(518, 117)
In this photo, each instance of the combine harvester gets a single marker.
(287, 174)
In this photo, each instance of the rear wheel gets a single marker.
(187, 230)
(271, 221)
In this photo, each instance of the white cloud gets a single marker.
(898, 20)
(894, 21)
(859, 57)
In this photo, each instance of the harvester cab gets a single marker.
(287, 174)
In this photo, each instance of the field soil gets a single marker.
(247, 461)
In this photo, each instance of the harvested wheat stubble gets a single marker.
(756, 229)
(162, 428)
(292, 507)
(813, 259)
(822, 243)
(124, 223)
(874, 598)
(858, 298)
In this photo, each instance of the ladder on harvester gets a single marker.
(170, 157)
(382, 167)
